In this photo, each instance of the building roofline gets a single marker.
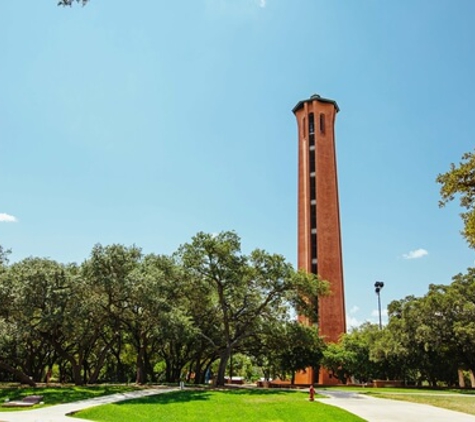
(315, 97)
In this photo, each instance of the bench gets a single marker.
(27, 401)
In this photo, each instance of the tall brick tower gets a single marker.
(319, 239)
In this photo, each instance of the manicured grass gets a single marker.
(58, 395)
(220, 406)
(465, 404)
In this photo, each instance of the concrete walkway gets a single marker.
(384, 410)
(369, 408)
(58, 413)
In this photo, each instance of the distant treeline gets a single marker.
(428, 340)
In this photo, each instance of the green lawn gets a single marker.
(220, 406)
(58, 395)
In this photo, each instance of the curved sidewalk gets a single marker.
(369, 408)
(385, 410)
(59, 412)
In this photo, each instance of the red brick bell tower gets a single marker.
(319, 238)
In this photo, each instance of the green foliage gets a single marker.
(123, 316)
(71, 2)
(246, 292)
(297, 347)
(359, 344)
(438, 327)
(214, 406)
(460, 305)
(304, 297)
(427, 339)
(4, 257)
(339, 361)
(460, 180)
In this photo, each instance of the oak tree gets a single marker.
(246, 290)
(70, 2)
(460, 181)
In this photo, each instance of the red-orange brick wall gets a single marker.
(331, 310)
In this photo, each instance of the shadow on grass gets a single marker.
(260, 391)
(169, 398)
(59, 395)
(184, 396)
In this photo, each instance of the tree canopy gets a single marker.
(460, 180)
(70, 2)
(248, 291)
(428, 339)
(122, 315)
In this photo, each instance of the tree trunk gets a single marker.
(190, 373)
(177, 373)
(461, 379)
(199, 375)
(100, 363)
(149, 368)
(472, 378)
(202, 371)
(223, 363)
(140, 378)
(168, 370)
(21, 376)
(120, 370)
(76, 368)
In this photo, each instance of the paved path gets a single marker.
(58, 413)
(369, 408)
(384, 410)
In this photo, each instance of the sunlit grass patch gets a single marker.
(222, 406)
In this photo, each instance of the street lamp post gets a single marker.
(377, 288)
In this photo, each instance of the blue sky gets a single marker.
(146, 122)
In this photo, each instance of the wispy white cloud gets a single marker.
(236, 8)
(352, 322)
(415, 254)
(7, 218)
(375, 316)
(375, 313)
